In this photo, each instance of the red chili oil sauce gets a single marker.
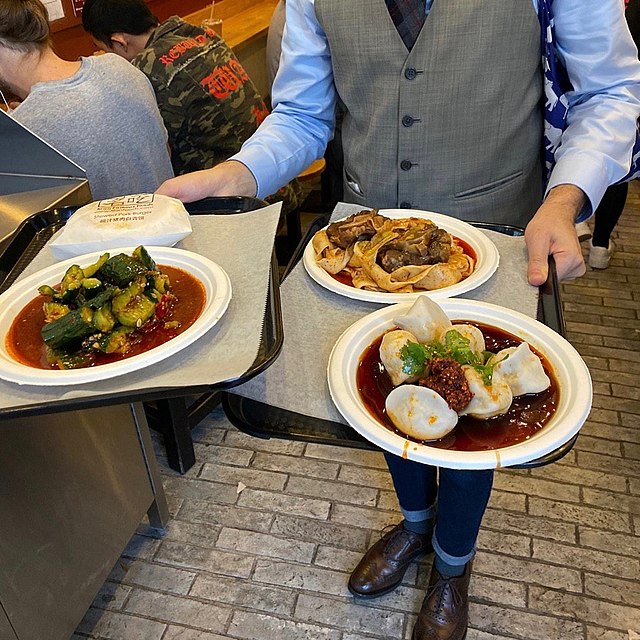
(526, 416)
(345, 277)
(24, 341)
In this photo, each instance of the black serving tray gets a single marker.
(35, 231)
(264, 421)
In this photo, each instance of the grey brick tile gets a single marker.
(201, 490)
(614, 589)
(585, 559)
(598, 445)
(629, 420)
(249, 477)
(142, 547)
(301, 577)
(223, 454)
(201, 511)
(358, 457)
(527, 571)
(255, 626)
(608, 464)
(159, 577)
(614, 501)
(212, 560)
(349, 616)
(598, 633)
(244, 593)
(579, 514)
(112, 595)
(527, 525)
(388, 501)
(377, 478)
(522, 625)
(287, 447)
(583, 477)
(476, 634)
(306, 467)
(533, 485)
(624, 366)
(621, 404)
(325, 533)
(338, 559)
(117, 626)
(584, 609)
(185, 611)
(337, 491)
(508, 501)
(611, 433)
(202, 534)
(486, 588)
(607, 541)
(630, 450)
(265, 545)
(507, 543)
(294, 505)
(361, 517)
(183, 633)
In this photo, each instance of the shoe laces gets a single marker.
(396, 541)
(439, 589)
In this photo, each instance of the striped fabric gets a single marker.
(556, 86)
(408, 16)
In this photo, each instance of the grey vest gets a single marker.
(453, 126)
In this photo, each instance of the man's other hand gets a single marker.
(230, 178)
(552, 232)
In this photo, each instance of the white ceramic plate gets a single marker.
(218, 294)
(574, 383)
(486, 265)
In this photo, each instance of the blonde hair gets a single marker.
(24, 25)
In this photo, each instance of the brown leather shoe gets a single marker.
(445, 609)
(382, 568)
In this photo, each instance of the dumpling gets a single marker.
(420, 412)
(487, 402)
(471, 333)
(522, 370)
(390, 347)
(426, 320)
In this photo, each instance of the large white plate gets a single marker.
(486, 265)
(218, 294)
(574, 383)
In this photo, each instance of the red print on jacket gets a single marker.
(225, 79)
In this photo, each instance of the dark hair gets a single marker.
(103, 18)
(24, 25)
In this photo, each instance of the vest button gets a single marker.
(407, 121)
(405, 165)
(410, 73)
(405, 205)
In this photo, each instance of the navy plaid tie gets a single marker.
(408, 16)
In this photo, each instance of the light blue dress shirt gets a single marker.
(594, 43)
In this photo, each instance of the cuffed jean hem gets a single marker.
(456, 561)
(419, 516)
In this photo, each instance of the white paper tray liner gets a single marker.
(315, 318)
(242, 245)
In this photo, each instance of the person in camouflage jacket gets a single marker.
(208, 103)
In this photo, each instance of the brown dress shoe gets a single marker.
(382, 568)
(445, 609)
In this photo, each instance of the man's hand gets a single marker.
(230, 178)
(552, 232)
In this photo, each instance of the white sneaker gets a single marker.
(583, 231)
(599, 257)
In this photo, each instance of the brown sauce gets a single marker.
(24, 341)
(526, 416)
(344, 276)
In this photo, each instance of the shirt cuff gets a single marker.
(587, 173)
(253, 158)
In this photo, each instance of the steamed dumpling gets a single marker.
(490, 401)
(420, 412)
(426, 320)
(522, 370)
(471, 333)
(390, 348)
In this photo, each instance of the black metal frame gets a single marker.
(264, 421)
(172, 411)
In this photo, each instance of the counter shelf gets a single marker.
(265, 421)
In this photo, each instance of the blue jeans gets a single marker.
(462, 498)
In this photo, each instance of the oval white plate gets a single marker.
(218, 294)
(573, 378)
(486, 264)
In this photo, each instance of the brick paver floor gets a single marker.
(559, 550)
